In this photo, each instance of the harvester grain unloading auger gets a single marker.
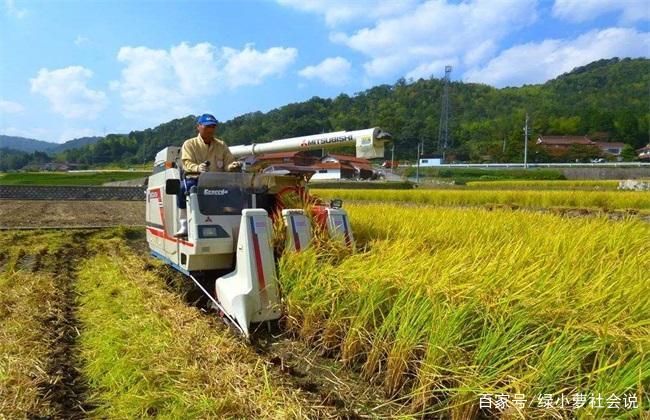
(227, 251)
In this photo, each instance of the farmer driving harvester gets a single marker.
(203, 153)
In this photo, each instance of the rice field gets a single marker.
(444, 306)
(446, 309)
(595, 184)
(533, 199)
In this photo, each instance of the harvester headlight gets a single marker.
(209, 232)
(337, 203)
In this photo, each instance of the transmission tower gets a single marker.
(444, 140)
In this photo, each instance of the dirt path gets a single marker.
(66, 389)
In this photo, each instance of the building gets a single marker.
(431, 160)
(299, 158)
(331, 166)
(559, 145)
(362, 167)
(613, 149)
(333, 170)
(644, 152)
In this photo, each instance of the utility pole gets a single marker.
(392, 158)
(417, 169)
(526, 143)
(444, 141)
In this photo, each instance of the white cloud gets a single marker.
(479, 53)
(80, 40)
(538, 62)
(9, 107)
(195, 68)
(435, 67)
(333, 71)
(68, 93)
(435, 30)
(170, 82)
(583, 10)
(148, 82)
(344, 11)
(251, 67)
(13, 11)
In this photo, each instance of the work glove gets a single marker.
(203, 167)
(235, 166)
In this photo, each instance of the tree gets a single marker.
(628, 154)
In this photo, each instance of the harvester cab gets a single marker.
(228, 251)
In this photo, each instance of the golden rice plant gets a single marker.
(545, 184)
(604, 200)
(442, 305)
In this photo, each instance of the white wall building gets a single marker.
(430, 161)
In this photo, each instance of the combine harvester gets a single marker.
(227, 251)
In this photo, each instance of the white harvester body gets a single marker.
(227, 251)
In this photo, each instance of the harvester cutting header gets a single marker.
(222, 240)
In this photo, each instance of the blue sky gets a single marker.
(72, 68)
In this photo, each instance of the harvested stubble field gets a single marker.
(435, 308)
(46, 213)
(91, 327)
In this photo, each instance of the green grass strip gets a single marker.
(68, 178)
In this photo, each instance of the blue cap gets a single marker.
(207, 119)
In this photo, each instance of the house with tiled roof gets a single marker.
(331, 166)
(644, 152)
(611, 148)
(559, 145)
(362, 167)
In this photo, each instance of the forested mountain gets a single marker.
(606, 100)
(75, 143)
(25, 144)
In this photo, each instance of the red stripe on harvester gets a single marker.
(348, 242)
(296, 238)
(162, 234)
(258, 263)
(165, 235)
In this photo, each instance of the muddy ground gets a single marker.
(36, 213)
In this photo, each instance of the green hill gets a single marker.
(607, 100)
